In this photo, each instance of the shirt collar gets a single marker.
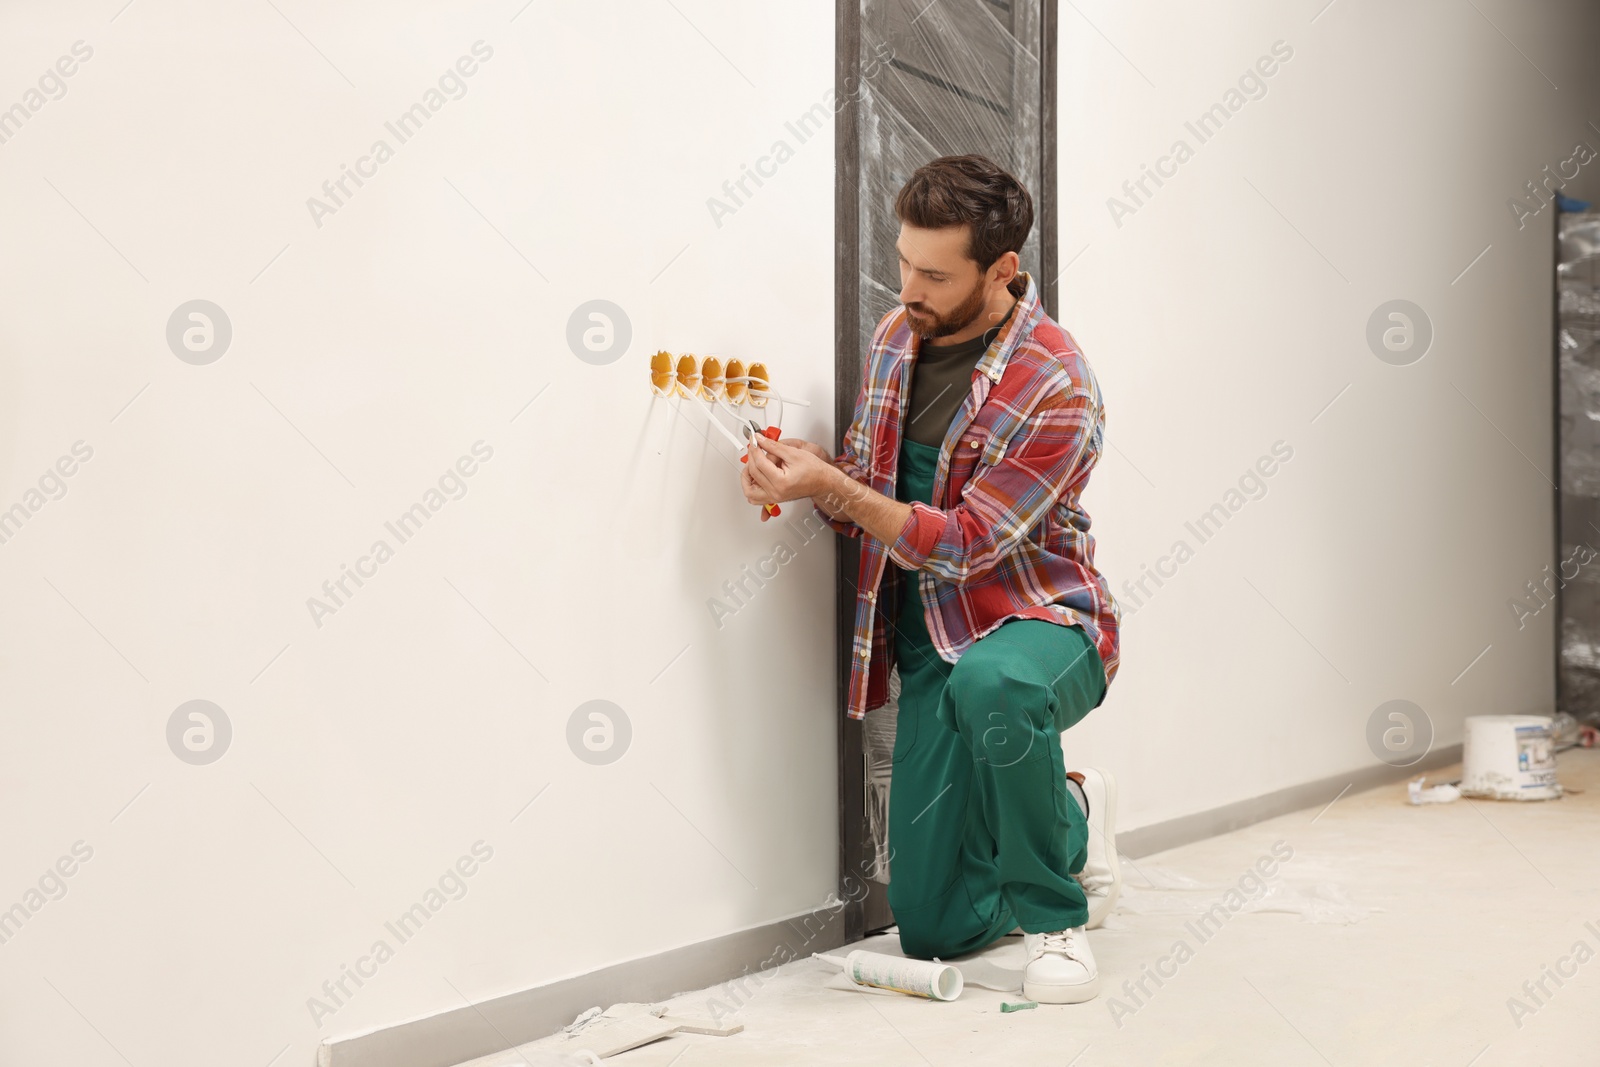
(1018, 326)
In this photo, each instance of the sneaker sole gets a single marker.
(1062, 994)
(1099, 914)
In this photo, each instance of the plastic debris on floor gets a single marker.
(596, 1035)
(1433, 794)
(1149, 889)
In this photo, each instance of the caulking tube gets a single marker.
(919, 978)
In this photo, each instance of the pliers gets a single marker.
(771, 433)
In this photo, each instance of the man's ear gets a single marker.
(1014, 262)
(1004, 269)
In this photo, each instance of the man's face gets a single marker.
(943, 291)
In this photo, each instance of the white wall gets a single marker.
(370, 753)
(1229, 309)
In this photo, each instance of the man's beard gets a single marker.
(957, 320)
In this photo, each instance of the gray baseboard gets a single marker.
(1158, 837)
(504, 1022)
(462, 1034)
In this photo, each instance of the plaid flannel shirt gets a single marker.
(1008, 538)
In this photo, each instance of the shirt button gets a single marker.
(972, 444)
(872, 596)
(863, 653)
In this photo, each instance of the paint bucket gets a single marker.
(1509, 757)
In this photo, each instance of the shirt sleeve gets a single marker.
(857, 443)
(1002, 502)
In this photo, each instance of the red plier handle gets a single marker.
(770, 433)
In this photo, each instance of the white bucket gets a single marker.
(1509, 757)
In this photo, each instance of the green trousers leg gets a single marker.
(983, 835)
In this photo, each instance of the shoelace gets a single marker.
(1063, 941)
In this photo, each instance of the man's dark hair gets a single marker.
(951, 190)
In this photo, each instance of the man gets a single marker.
(976, 428)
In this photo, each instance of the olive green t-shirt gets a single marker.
(941, 378)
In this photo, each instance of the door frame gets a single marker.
(869, 911)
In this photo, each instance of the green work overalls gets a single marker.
(983, 835)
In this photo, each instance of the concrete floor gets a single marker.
(1405, 934)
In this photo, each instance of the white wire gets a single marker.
(719, 396)
(743, 422)
(738, 444)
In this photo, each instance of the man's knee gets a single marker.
(983, 674)
(922, 944)
(923, 937)
(999, 702)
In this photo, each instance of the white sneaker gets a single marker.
(1101, 877)
(1060, 967)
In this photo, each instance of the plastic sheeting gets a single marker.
(937, 78)
(1580, 243)
(951, 78)
(1578, 363)
(1308, 893)
(877, 754)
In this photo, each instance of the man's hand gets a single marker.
(810, 446)
(777, 472)
(831, 503)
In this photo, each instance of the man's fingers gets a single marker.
(807, 446)
(754, 491)
(777, 449)
(763, 470)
